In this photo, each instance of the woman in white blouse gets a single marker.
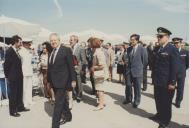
(44, 66)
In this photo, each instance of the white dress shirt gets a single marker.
(57, 49)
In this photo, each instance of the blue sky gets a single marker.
(111, 16)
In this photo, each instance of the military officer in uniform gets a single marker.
(184, 64)
(165, 70)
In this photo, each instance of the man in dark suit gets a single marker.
(89, 57)
(165, 69)
(137, 60)
(14, 76)
(184, 64)
(61, 76)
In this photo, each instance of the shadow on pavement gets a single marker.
(87, 89)
(129, 108)
(148, 95)
(48, 108)
(176, 125)
(89, 99)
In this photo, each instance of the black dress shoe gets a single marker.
(15, 114)
(154, 118)
(163, 126)
(65, 120)
(144, 89)
(135, 106)
(23, 110)
(177, 105)
(126, 102)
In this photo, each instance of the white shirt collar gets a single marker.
(135, 47)
(179, 49)
(57, 49)
(15, 49)
(75, 47)
(164, 45)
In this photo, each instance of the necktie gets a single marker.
(52, 57)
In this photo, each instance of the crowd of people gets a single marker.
(64, 68)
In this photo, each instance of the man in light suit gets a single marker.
(61, 76)
(80, 54)
(137, 59)
(184, 65)
(26, 57)
(110, 60)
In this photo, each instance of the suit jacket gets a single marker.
(13, 65)
(80, 54)
(166, 66)
(110, 57)
(61, 72)
(137, 62)
(184, 63)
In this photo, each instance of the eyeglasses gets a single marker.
(176, 42)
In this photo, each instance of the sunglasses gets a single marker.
(176, 42)
(160, 36)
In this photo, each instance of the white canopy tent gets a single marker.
(13, 26)
(148, 39)
(2, 44)
(85, 35)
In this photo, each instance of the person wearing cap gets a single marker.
(145, 80)
(154, 52)
(110, 60)
(100, 70)
(137, 60)
(166, 68)
(89, 57)
(120, 63)
(126, 71)
(26, 57)
(184, 64)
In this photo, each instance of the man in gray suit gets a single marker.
(137, 59)
(80, 55)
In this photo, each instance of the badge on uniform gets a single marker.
(164, 53)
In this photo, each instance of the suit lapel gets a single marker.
(135, 54)
(136, 51)
(16, 54)
(57, 55)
